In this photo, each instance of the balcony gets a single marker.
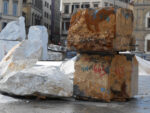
(64, 15)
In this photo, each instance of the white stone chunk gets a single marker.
(14, 31)
(38, 80)
(40, 33)
(23, 55)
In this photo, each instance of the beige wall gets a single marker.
(142, 7)
(10, 16)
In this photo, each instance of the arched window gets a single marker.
(147, 43)
(147, 20)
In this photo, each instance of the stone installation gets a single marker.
(19, 74)
(101, 73)
(11, 35)
(101, 30)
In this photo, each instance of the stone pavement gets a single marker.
(140, 104)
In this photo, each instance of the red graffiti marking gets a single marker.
(99, 69)
(119, 70)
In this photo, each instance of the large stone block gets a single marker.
(106, 77)
(46, 81)
(101, 30)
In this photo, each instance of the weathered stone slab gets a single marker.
(46, 81)
(106, 77)
(22, 56)
(101, 30)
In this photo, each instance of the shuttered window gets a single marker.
(5, 7)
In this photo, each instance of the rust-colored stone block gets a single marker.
(106, 77)
(101, 30)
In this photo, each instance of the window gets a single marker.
(74, 7)
(96, 5)
(45, 4)
(148, 22)
(85, 6)
(24, 1)
(5, 7)
(66, 9)
(106, 4)
(15, 7)
(65, 26)
(50, 7)
(148, 45)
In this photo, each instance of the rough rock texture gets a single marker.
(14, 31)
(37, 81)
(40, 33)
(105, 29)
(22, 56)
(57, 48)
(5, 46)
(55, 56)
(106, 77)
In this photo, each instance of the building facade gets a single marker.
(10, 10)
(33, 12)
(142, 25)
(55, 26)
(69, 6)
(46, 20)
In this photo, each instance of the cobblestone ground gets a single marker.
(140, 104)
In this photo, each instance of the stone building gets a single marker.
(68, 7)
(10, 10)
(46, 20)
(32, 11)
(142, 25)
